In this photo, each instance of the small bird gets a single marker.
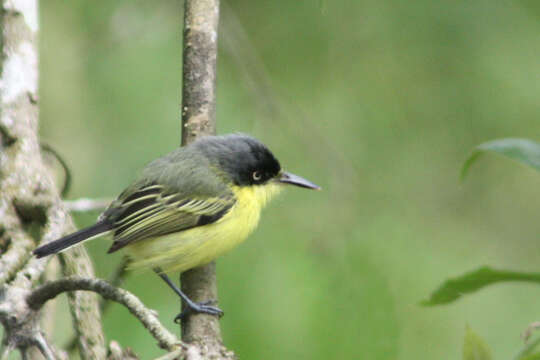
(189, 207)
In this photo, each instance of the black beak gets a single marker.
(288, 178)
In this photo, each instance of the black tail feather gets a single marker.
(72, 239)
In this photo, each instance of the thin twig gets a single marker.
(87, 204)
(40, 295)
(44, 347)
(117, 353)
(172, 355)
(67, 173)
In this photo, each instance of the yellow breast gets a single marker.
(198, 246)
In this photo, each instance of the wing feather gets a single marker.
(153, 210)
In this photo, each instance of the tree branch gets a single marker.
(199, 119)
(148, 318)
(115, 280)
(84, 307)
(86, 204)
(30, 207)
(16, 256)
(199, 71)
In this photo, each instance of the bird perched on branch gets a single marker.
(189, 207)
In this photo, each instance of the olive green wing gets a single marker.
(153, 210)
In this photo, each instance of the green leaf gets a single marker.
(522, 150)
(453, 289)
(474, 347)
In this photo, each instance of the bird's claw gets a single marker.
(201, 308)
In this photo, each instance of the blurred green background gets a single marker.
(379, 102)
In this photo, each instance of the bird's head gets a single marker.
(247, 162)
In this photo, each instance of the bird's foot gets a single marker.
(201, 308)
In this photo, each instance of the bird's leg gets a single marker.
(191, 306)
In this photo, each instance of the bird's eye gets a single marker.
(257, 175)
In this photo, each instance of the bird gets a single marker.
(189, 207)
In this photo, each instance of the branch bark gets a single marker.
(199, 119)
(30, 205)
(199, 69)
(86, 204)
(198, 115)
(148, 318)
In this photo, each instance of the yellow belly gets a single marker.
(198, 246)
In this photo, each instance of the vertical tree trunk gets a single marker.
(199, 69)
(28, 196)
(198, 119)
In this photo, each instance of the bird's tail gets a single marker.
(98, 229)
